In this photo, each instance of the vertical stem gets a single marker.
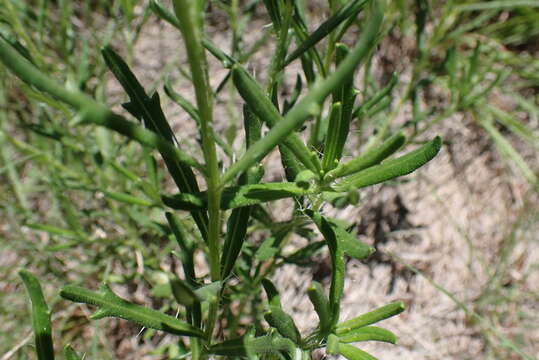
(190, 17)
(280, 54)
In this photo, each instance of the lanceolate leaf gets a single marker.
(110, 304)
(274, 299)
(239, 219)
(369, 318)
(368, 159)
(321, 306)
(149, 110)
(332, 138)
(183, 293)
(233, 347)
(392, 168)
(274, 13)
(284, 324)
(209, 291)
(41, 317)
(237, 196)
(350, 243)
(353, 353)
(346, 95)
(332, 345)
(337, 262)
(251, 347)
(141, 106)
(269, 344)
(368, 333)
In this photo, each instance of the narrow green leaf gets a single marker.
(368, 159)
(346, 95)
(311, 57)
(332, 345)
(330, 157)
(235, 237)
(292, 167)
(141, 106)
(353, 353)
(310, 104)
(284, 324)
(41, 317)
(127, 198)
(109, 304)
(369, 318)
(183, 102)
(237, 196)
(183, 293)
(481, 93)
(294, 96)
(54, 230)
(337, 262)
(392, 168)
(149, 110)
(239, 219)
(321, 306)
(269, 344)
(209, 292)
(233, 347)
(368, 333)
(71, 354)
(421, 16)
(350, 244)
(274, 13)
(274, 299)
(351, 9)
(268, 249)
(471, 71)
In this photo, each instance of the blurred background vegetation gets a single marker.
(64, 213)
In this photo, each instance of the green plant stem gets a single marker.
(279, 57)
(191, 27)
